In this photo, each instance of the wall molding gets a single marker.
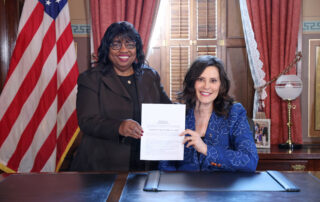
(80, 29)
(311, 26)
(84, 29)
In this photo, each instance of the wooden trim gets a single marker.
(117, 187)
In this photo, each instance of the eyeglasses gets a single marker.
(116, 45)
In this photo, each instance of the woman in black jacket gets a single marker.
(109, 103)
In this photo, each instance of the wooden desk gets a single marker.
(96, 187)
(305, 159)
(47, 187)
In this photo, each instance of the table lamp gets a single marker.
(289, 87)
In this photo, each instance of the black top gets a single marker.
(129, 82)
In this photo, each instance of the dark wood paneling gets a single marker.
(83, 52)
(10, 12)
(155, 62)
(233, 53)
(158, 61)
(234, 24)
(240, 77)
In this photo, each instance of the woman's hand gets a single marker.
(130, 128)
(194, 139)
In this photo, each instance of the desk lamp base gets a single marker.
(290, 146)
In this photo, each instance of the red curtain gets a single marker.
(276, 24)
(141, 13)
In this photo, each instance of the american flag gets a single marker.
(38, 120)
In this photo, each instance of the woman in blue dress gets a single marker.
(217, 135)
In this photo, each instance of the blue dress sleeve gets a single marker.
(235, 149)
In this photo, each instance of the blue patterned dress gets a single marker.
(230, 145)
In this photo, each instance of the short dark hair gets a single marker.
(223, 102)
(124, 30)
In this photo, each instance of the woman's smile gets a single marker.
(123, 58)
(205, 93)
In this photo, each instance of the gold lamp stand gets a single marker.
(289, 144)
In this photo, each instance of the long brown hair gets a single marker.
(223, 102)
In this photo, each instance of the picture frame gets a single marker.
(262, 133)
(313, 92)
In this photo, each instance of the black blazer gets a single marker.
(102, 103)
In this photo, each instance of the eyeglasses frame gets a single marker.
(114, 47)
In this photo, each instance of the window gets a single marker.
(188, 30)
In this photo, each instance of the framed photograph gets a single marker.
(262, 133)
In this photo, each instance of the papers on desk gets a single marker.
(162, 124)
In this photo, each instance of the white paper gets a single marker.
(162, 124)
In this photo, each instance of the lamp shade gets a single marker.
(288, 87)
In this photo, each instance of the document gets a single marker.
(162, 124)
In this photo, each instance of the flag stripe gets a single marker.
(48, 165)
(62, 20)
(45, 151)
(28, 134)
(66, 64)
(28, 9)
(64, 42)
(27, 85)
(66, 110)
(66, 86)
(47, 124)
(27, 34)
(66, 134)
